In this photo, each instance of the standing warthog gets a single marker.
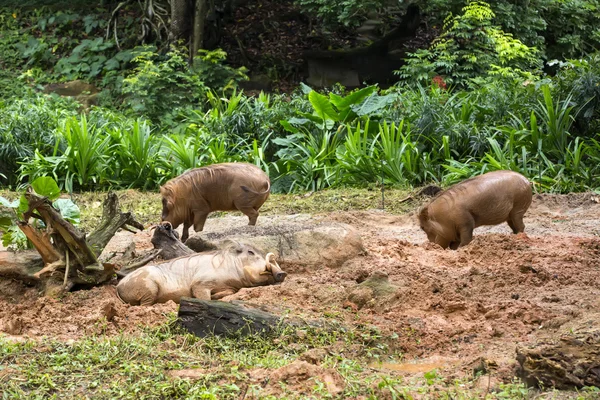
(190, 197)
(488, 199)
(209, 275)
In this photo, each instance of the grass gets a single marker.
(147, 206)
(142, 367)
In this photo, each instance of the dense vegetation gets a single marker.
(484, 95)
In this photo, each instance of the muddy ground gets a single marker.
(449, 309)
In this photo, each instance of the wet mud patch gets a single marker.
(479, 302)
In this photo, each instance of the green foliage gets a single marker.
(581, 78)
(210, 66)
(160, 84)
(26, 126)
(559, 29)
(12, 236)
(340, 12)
(472, 46)
(89, 59)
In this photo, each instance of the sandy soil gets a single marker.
(457, 306)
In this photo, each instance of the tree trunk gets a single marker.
(64, 257)
(180, 13)
(205, 318)
(200, 11)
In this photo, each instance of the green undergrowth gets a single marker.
(166, 362)
(146, 206)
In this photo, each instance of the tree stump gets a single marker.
(65, 257)
(204, 318)
(568, 363)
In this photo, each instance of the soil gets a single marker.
(468, 308)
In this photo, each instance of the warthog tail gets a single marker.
(247, 189)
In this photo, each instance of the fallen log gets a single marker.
(570, 362)
(213, 317)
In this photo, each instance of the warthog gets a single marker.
(488, 199)
(209, 275)
(190, 197)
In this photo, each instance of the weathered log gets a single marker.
(63, 230)
(571, 362)
(214, 317)
(112, 220)
(166, 239)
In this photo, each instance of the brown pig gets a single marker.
(190, 197)
(488, 199)
(208, 275)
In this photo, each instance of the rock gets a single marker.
(85, 93)
(299, 372)
(314, 356)
(293, 243)
(327, 73)
(71, 89)
(376, 286)
(257, 82)
(13, 326)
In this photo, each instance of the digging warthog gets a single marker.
(488, 199)
(190, 197)
(206, 276)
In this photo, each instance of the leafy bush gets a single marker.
(471, 46)
(581, 78)
(12, 236)
(340, 12)
(26, 126)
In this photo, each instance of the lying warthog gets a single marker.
(488, 199)
(190, 197)
(209, 275)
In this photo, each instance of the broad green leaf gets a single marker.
(305, 88)
(68, 210)
(373, 104)
(287, 126)
(5, 223)
(23, 204)
(302, 121)
(353, 98)
(313, 118)
(323, 107)
(14, 237)
(46, 186)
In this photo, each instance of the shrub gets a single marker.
(471, 46)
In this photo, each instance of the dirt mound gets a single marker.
(299, 376)
(78, 314)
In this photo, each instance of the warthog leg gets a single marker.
(199, 220)
(222, 293)
(515, 221)
(200, 292)
(250, 212)
(186, 232)
(149, 294)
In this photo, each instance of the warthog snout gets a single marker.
(278, 274)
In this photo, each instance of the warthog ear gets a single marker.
(424, 214)
(232, 245)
